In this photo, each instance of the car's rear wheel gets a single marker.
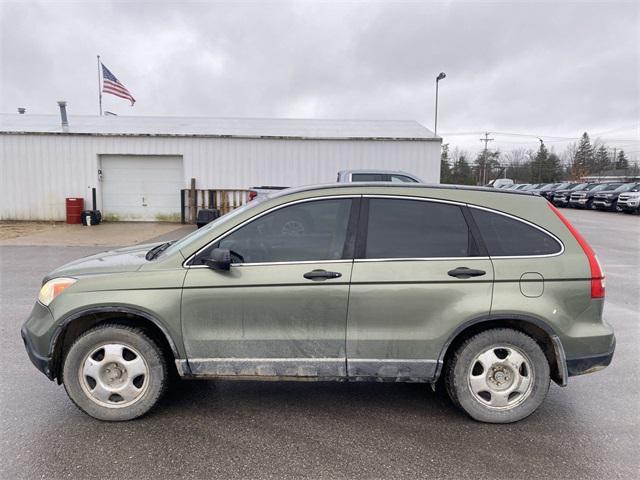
(114, 372)
(498, 376)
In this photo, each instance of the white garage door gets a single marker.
(141, 187)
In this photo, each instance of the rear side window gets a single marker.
(402, 179)
(507, 237)
(367, 177)
(416, 229)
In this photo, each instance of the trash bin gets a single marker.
(206, 215)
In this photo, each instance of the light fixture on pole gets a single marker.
(440, 76)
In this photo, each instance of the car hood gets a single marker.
(127, 259)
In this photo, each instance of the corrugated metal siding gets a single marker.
(37, 172)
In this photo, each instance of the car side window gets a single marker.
(307, 231)
(367, 177)
(505, 236)
(399, 228)
(402, 179)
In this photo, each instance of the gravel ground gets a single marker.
(209, 429)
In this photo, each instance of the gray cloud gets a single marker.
(550, 68)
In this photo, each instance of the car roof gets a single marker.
(397, 186)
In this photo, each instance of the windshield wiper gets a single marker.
(157, 250)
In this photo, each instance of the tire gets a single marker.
(114, 373)
(512, 393)
(589, 205)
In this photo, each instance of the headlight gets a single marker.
(53, 288)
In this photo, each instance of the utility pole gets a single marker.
(486, 140)
(441, 76)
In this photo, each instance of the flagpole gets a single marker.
(99, 86)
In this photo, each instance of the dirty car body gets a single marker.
(362, 282)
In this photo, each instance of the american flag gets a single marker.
(110, 84)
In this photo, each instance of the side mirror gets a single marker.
(220, 259)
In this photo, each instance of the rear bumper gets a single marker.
(590, 363)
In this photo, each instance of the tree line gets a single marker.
(529, 166)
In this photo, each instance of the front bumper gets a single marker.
(41, 362)
(560, 201)
(578, 202)
(37, 333)
(603, 203)
(590, 363)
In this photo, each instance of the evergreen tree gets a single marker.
(539, 164)
(621, 161)
(602, 161)
(584, 159)
(461, 172)
(553, 168)
(445, 168)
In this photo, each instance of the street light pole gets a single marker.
(435, 123)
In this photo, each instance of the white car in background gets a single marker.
(348, 176)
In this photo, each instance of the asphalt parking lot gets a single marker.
(591, 429)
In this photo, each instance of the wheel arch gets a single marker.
(79, 322)
(535, 327)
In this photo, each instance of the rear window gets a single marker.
(416, 229)
(507, 237)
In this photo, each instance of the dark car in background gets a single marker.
(549, 192)
(560, 196)
(584, 198)
(607, 198)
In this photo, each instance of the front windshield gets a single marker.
(597, 188)
(611, 186)
(625, 187)
(201, 232)
(580, 186)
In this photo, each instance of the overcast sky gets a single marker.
(554, 69)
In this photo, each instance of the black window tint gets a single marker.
(313, 230)
(367, 177)
(504, 236)
(416, 229)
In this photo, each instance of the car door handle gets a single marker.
(319, 275)
(464, 272)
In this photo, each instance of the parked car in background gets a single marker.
(584, 198)
(348, 176)
(518, 186)
(629, 201)
(500, 183)
(548, 192)
(607, 199)
(532, 186)
(542, 188)
(561, 196)
(347, 282)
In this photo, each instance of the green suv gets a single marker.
(490, 293)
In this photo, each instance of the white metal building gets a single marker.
(139, 164)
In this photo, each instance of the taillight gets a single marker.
(252, 194)
(597, 275)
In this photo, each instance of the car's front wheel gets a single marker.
(498, 376)
(114, 372)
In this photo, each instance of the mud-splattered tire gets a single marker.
(498, 376)
(114, 372)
